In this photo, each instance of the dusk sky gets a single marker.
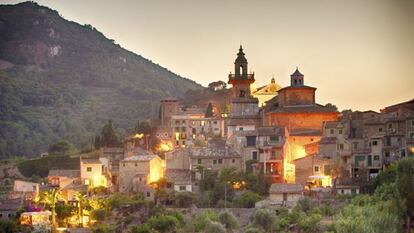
(359, 54)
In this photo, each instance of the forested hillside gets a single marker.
(62, 80)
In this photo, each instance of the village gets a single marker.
(267, 146)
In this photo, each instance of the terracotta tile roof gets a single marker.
(300, 108)
(328, 140)
(285, 188)
(306, 132)
(270, 131)
(178, 176)
(90, 160)
(65, 173)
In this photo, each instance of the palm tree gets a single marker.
(82, 204)
(50, 198)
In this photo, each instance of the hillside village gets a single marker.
(270, 146)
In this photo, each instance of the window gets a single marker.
(220, 161)
(375, 143)
(355, 145)
(316, 168)
(214, 161)
(215, 122)
(87, 182)
(177, 143)
(285, 197)
(177, 122)
(140, 179)
(183, 129)
(376, 157)
(88, 169)
(412, 123)
(389, 126)
(177, 129)
(332, 131)
(183, 143)
(233, 161)
(136, 164)
(411, 134)
(148, 194)
(340, 131)
(182, 188)
(380, 129)
(273, 138)
(340, 146)
(241, 129)
(251, 140)
(273, 154)
(198, 161)
(123, 164)
(254, 155)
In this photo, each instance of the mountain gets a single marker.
(60, 80)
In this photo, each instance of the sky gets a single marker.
(358, 53)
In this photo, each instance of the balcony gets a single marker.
(249, 77)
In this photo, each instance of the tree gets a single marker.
(108, 136)
(163, 223)
(209, 110)
(405, 189)
(184, 199)
(62, 148)
(247, 199)
(64, 211)
(214, 227)
(50, 198)
(200, 220)
(264, 219)
(228, 220)
(83, 203)
(142, 127)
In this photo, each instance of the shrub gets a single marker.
(263, 218)
(163, 223)
(253, 230)
(214, 227)
(99, 214)
(247, 199)
(228, 220)
(184, 199)
(200, 220)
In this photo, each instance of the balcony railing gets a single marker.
(241, 76)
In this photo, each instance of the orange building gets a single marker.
(295, 108)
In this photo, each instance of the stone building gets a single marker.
(93, 172)
(295, 109)
(244, 107)
(285, 194)
(138, 172)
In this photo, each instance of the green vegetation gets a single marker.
(66, 80)
(40, 167)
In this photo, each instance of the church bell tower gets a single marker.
(241, 80)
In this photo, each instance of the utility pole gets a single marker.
(225, 195)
